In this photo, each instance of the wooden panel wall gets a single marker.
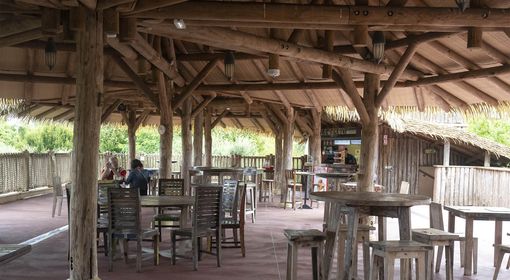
(401, 157)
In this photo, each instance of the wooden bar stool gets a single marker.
(502, 250)
(303, 238)
(387, 251)
(251, 201)
(436, 237)
(364, 238)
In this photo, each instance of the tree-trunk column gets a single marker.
(89, 88)
(315, 139)
(131, 122)
(370, 135)
(288, 135)
(165, 126)
(186, 144)
(278, 164)
(208, 137)
(198, 136)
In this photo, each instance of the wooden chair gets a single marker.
(206, 222)
(311, 238)
(502, 250)
(292, 186)
(168, 187)
(363, 238)
(436, 221)
(102, 211)
(57, 194)
(250, 178)
(124, 223)
(388, 251)
(234, 196)
(266, 190)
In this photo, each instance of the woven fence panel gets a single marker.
(63, 163)
(40, 170)
(14, 170)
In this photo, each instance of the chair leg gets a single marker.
(111, 251)
(440, 257)
(449, 262)
(105, 243)
(508, 263)
(421, 267)
(462, 246)
(294, 197)
(366, 258)
(389, 267)
(155, 242)
(315, 264)
(294, 262)
(374, 268)
(218, 249)
(139, 254)
(60, 206)
(289, 262)
(172, 237)
(194, 247)
(243, 248)
(475, 255)
(54, 206)
(126, 247)
(498, 264)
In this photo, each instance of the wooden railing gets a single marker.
(25, 171)
(472, 185)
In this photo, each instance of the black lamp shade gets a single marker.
(230, 65)
(378, 42)
(50, 53)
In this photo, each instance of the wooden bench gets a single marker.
(9, 252)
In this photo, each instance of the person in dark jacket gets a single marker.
(137, 178)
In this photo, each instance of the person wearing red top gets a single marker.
(112, 170)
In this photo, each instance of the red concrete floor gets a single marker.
(266, 247)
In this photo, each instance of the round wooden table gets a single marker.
(355, 204)
(184, 202)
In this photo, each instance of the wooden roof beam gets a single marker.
(140, 84)
(220, 37)
(64, 114)
(109, 110)
(22, 37)
(329, 15)
(147, 5)
(146, 50)
(269, 122)
(218, 118)
(200, 107)
(199, 78)
(344, 80)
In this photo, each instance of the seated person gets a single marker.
(349, 159)
(137, 178)
(112, 170)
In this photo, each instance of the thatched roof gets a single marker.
(448, 132)
(253, 30)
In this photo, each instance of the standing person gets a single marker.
(136, 177)
(349, 159)
(112, 170)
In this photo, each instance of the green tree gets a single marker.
(147, 140)
(496, 130)
(50, 137)
(113, 138)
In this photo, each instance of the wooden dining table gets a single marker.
(184, 202)
(354, 204)
(220, 172)
(480, 213)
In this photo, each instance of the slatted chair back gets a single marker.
(102, 195)
(234, 194)
(250, 174)
(436, 216)
(57, 186)
(207, 209)
(123, 210)
(171, 187)
(404, 187)
(290, 176)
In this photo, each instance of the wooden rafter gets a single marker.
(322, 16)
(147, 5)
(344, 80)
(200, 107)
(218, 118)
(109, 110)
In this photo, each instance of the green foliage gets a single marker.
(496, 130)
(113, 138)
(49, 137)
(147, 140)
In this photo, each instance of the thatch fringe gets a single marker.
(10, 106)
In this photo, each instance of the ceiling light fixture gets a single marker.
(230, 64)
(50, 53)
(462, 4)
(378, 43)
(274, 65)
(179, 23)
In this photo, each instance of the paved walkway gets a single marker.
(266, 247)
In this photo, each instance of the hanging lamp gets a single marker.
(50, 53)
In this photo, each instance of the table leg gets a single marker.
(404, 226)
(332, 229)
(184, 216)
(468, 254)
(381, 228)
(498, 236)
(351, 244)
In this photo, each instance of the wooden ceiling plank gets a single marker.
(218, 118)
(22, 37)
(147, 5)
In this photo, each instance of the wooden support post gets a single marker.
(279, 169)
(198, 137)
(369, 135)
(328, 46)
(166, 129)
(186, 144)
(315, 140)
(89, 88)
(130, 120)
(446, 153)
(288, 139)
(127, 29)
(487, 159)
(475, 34)
(208, 137)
